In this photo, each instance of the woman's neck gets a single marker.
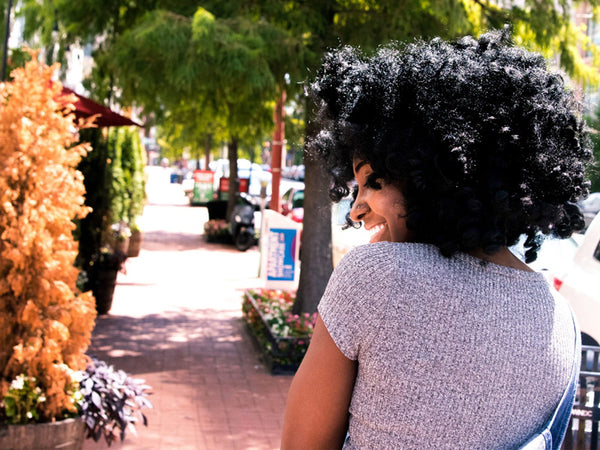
(503, 257)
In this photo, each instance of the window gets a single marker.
(298, 199)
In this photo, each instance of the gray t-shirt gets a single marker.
(452, 353)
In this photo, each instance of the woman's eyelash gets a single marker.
(372, 181)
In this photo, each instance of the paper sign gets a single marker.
(279, 247)
(282, 251)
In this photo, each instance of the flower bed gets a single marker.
(283, 337)
(217, 231)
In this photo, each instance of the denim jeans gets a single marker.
(551, 437)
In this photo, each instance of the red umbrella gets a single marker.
(85, 107)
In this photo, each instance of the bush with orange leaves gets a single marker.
(45, 322)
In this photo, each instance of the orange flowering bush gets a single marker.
(45, 322)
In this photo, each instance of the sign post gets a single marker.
(224, 187)
(203, 187)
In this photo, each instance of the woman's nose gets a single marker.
(358, 210)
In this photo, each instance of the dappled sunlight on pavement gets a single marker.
(176, 322)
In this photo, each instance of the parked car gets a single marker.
(286, 171)
(298, 172)
(590, 207)
(580, 284)
(556, 256)
(572, 267)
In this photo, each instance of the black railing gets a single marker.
(585, 417)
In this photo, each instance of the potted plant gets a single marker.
(119, 237)
(20, 428)
(135, 240)
(109, 403)
(46, 321)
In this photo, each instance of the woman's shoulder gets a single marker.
(395, 255)
(421, 258)
(384, 264)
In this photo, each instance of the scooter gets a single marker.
(242, 223)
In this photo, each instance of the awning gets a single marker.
(85, 107)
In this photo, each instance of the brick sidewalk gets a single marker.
(176, 322)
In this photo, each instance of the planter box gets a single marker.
(219, 238)
(281, 355)
(65, 434)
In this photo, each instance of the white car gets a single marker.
(580, 284)
(555, 256)
(590, 207)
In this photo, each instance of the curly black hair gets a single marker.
(485, 140)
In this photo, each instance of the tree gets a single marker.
(187, 126)
(64, 22)
(237, 58)
(126, 176)
(216, 67)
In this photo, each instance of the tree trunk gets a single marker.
(232, 154)
(197, 156)
(316, 257)
(207, 146)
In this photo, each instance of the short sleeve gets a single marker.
(351, 299)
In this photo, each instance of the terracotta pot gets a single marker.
(135, 244)
(65, 434)
(122, 245)
(103, 288)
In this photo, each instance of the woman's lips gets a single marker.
(377, 232)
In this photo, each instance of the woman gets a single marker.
(435, 335)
